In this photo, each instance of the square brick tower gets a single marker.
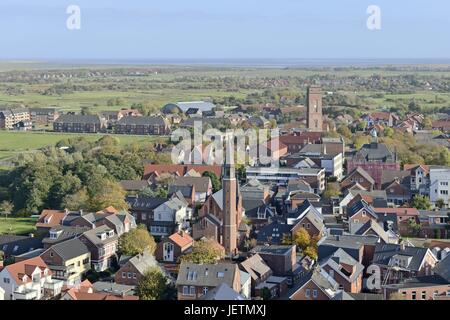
(229, 237)
(314, 109)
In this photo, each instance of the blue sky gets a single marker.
(188, 29)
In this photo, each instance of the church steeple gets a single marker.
(229, 237)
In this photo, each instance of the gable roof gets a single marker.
(384, 253)
(375, 227)
(182, 239)
(255, 266)
(53, 218)
(442, 268)
(143, 262)
(179, 169)
(14, 246)
(70, 249)
(358, 206)
(201, 184)
(362, 173)
(338, 262)
(145, 203)
(273, 231)
(26, 267)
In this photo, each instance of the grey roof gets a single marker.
(358, 206)
(374, 152)
(113, 288)
(70, 249)
(381, 194)
(141, 121)
(201, 105)
(134, 185)
(208, 275)
(348, 241)
(253, 207)
(273, 232)
(78, 118)
(366, 296)
(20, 245)
(442, 268)
(327, 284)
(143, 262)
(420, 282)
(145, 203)
(273, 249)
(186, 191)
(201, 184)
(303, 209)
(388, 176)
(92, 235)
(363, 173)
(222, 292)
(375, 227)
(384, 253)
(335, 262)
(67, 232)
(255, 266)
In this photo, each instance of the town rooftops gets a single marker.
(363, 173)
(145, 203)
(101, 235)
(374, 152)
(274, 249)
(341, 262)
(17, 245)
(143, 262)
(384, 253)
(442, 268)
(50, 218)
(201, 184)
(179, 169)
(255, 266)
(182, 239)
(420, 282)
(348, 241)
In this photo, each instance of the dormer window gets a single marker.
(192, 275)
(220, 274)
(111, 233)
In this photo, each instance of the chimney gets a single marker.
(402, 246)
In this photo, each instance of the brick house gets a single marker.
(43, 115)
(359, 214)
(134, 269)
(169, 249)
(102, 242)
(430, 287)
(257, 268)
(360, 176)
(316, 285)
(79, 123)
(49, 219)
(345, 270)
(142, 126)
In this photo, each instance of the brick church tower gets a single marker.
(314, 121)
(229, 182)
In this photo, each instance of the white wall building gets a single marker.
(439, 184)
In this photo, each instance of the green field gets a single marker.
(19, 226)
(13, 143)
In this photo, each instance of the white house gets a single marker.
(174, 211)
(439, 184)
(29, 280)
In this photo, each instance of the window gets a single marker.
(424, 295)
(6, 280)
(445, 192)
(143, 216)
(205, 290)
(51, 254)
(314, 293)
(185, 290)
(129, 275)
(364, 213)
(134, 275)
(308, 226)
(308, 293)
(413, 295)
(124, 275)
(192, 290)
(220, 274)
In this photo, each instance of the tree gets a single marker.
(137, 241)
(76, 201)
(311, 252)
(421, 202)
(214, 180)
(332, 190)
(414, 227)
(440, 203)
(153, 285)
(388, 132)
(344, 131)
(204, 251)
(6, 207)
(302, 238)
(427, 123)
(104, 192)
(266, 294)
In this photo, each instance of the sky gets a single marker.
(223, 29)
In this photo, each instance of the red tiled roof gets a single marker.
(179, 169)
(26, 267)
(182, 239)
(398, 211)
(380, 115)
(55, 218)
(409, 167)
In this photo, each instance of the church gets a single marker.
(220, 217)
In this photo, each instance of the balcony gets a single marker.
(27, 294)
